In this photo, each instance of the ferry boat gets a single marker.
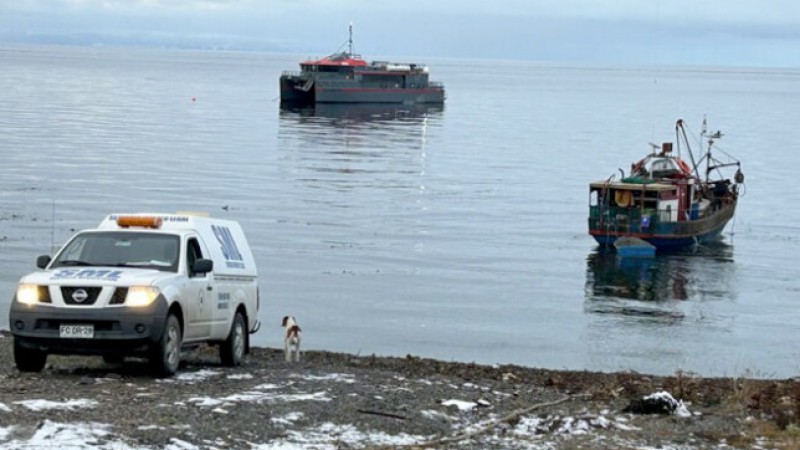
(344, 77)
(667, 201)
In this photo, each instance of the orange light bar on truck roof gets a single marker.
(139, 221)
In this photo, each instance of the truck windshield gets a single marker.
(121, 249)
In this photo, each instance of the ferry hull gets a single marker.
(298, 90)
(369, 95)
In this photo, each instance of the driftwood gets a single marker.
(381, 413)
(486, 427)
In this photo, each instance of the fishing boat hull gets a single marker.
(665, 236)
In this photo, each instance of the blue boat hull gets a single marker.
(667, 243)
(675, 235)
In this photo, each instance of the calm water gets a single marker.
(457, 233)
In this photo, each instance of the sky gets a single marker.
(741, 33)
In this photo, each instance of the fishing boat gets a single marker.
(345, 77)
(666, 200)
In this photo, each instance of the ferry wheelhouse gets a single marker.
(344, 77)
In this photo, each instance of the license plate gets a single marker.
(76, 331)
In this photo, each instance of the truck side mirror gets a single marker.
(42, 261)
(203, 266)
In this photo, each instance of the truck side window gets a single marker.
(193, 253)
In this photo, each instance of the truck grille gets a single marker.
(80, 296)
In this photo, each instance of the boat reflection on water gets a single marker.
(644, 279)
(358, 146)
(343, 113)
(361, 129)
(655, 288)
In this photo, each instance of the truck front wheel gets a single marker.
(231, 351)
(29, 359)
(166, 355)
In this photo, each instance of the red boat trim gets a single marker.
(396, 73)
(350, 62)
(420, 90)
(644, 236)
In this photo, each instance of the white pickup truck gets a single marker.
(140, 285)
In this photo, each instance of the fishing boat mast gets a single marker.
(680, 135)
(714, 163)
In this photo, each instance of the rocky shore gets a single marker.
(341, 401)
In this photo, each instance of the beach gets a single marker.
(336, 401)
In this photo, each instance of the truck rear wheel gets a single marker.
(29, 359)
(231, 352)
(166, 356)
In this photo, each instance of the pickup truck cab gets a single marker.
(140, 285)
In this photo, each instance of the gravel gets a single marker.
(333, 400)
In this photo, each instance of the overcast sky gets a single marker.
(644, 32)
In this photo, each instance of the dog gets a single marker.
(291, 340)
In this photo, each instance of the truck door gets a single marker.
(198, 294)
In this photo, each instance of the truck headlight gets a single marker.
(141, 295)
(28, 294)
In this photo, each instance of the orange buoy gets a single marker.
(684, 167)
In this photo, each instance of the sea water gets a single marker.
(457, 233)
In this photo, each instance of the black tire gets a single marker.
(166, 355)
(29, 359)
(231, 352)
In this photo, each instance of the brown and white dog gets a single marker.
(291, 341)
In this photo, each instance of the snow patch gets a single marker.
(177, 444)
(82, 435)
(258, 397)
(240, 376)
(42, 405)
(435, 415)
(288, 419)
(199, 375)
(460, 404)
(337, 377)
(566, 425)
(330, 436)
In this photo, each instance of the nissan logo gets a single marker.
(80, 295)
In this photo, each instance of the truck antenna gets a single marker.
(53, 227)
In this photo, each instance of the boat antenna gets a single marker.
(350, 40)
